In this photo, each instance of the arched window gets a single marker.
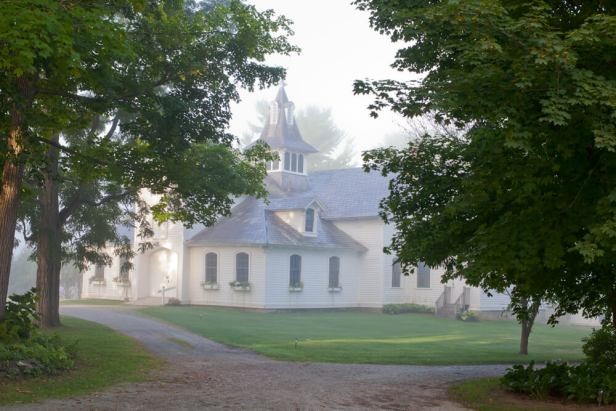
(423, 276)
(287, 160)
(396, 272)
(241, 267)
(293, 162)
(211, 268)
(309, 225)
(300, 163)
(334, 272)
(295, 272)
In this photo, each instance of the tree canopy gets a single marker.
(103, 98)
(527, 195)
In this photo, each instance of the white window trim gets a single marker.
(217, 265)
(235, 264)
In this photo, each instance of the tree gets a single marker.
(526, 197)
(166, 95)
(318, 129)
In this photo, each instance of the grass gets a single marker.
(375, 338)
(92, 301)
(103, 358)
(486, 394)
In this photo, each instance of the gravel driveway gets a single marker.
(202, 374)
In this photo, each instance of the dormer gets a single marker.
(303, 220)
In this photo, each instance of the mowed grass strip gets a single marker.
(487, 394)
(373, 338)
(103, 358)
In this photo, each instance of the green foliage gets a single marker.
(24, 350)
(594, 380)
(600, 346)
(468, 316)
(102, 358)
(407, 308)
(20, 315)
(523, 193)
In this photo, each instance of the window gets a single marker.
(300, 163)
(268, 165)
(211, 268)
(274, 113)
(396, 273)
(295, 272)
(423, 276)
(99, 272)
(287, 161)
(124, 267)
(241, 267)
(309, 226)
(276, 165)
(334, 272)
(293, 162)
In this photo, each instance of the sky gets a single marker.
(338, 47)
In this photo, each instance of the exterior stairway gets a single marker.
(447, 307)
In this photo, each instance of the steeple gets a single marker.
(282, 135)
(280, 130)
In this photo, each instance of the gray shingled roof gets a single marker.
(346, 193)
(284, 135)
(252, 224)
(349, 192)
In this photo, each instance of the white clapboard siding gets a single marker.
(314, 276)
(226, 295)
(370, 233)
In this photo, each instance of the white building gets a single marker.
(318, 243)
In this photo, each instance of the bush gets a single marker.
(407, 308)
(594, 380)
(24, 351)
(173, 301)
(468, 316)
(600, 347)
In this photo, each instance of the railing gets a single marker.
(463, 301)
(443, 300)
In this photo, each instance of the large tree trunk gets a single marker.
(527, 324)
(12, 177)
(49, 246)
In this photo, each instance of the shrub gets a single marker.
(173, 301)
(407, 308)
(468, 316)
(600, 347)
(24, 351)
(594, 380)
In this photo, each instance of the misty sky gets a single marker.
(338, 46)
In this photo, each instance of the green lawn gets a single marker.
(103, 358)
(366, 337)
(91, 301)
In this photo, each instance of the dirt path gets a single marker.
(203, 374)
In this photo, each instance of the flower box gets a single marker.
(238, 286)
(296, 288)
(97, 281)
(121, 282)
(335, 289)
(209, 286)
